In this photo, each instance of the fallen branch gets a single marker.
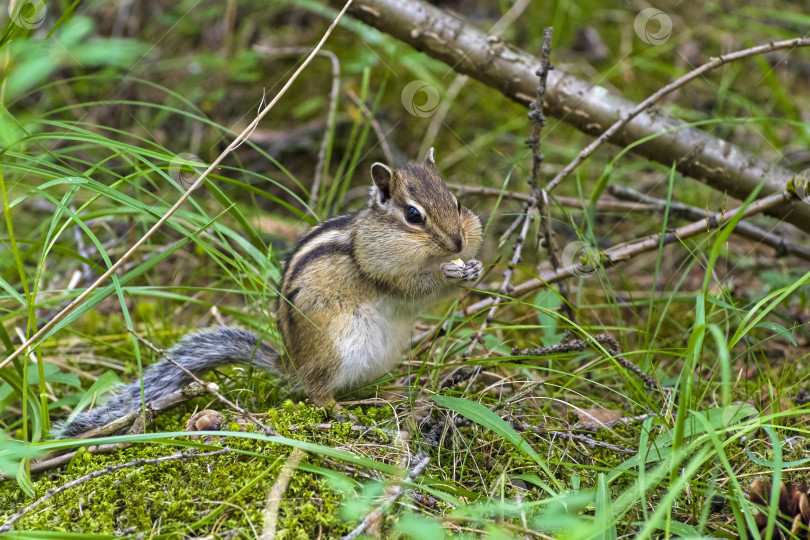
(588, 107)
(610, 423)
(606, 340)
(160, 404)
(593, 443)
(156, 406)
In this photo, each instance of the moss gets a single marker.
(211, 496)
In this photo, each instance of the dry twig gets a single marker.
(378, 512)
(776, 241)
(606, 340)
(533, 143)
(593, 443)
(601, 205)
(331, 115)
(168, 401)
(382, 137)
(626, 251)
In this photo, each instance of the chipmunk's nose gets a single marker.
(458, 243)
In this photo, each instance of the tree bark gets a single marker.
(588, 107)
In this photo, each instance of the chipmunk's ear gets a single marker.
(383, 178)
(429, 158)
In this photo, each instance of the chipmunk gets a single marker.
(349, 292)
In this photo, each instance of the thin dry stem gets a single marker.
(378, 512)
(375, 126)
(533, 142)
(331, 115)
(602, 205)
(776, 241)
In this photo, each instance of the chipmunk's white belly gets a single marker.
(371, 341)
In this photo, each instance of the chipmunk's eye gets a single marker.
(412, 215)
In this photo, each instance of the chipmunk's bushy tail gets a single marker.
(198, 353)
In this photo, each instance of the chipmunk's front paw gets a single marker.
(472, 270)
(469, 271)
(453, 271)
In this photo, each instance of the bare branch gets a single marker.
(776, 241)
(588, 107)
(268, 430)
(628, 250)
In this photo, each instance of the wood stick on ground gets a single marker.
(234, 144)
(7, 526)
(269, 431)
(611, 423)
(586, 106)
(276, 494)
(776, 241)
(194, 390)
(624, 252)
(593, 443)
(378, 512)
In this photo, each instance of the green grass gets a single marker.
(90, 130)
